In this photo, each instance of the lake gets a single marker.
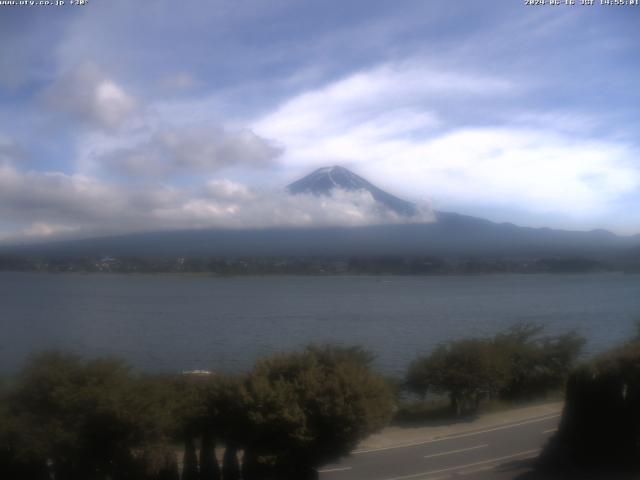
(174, 323)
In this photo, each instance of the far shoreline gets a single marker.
(318, 275)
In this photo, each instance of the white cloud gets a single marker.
(392, 123)
(337, 121)
(54, 205)
(46, 196)
(536, 171)
(227, 190)
(184, 149)
(89, 95)
(42, 230)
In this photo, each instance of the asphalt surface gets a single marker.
(500, 452)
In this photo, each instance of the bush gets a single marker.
(312, 407)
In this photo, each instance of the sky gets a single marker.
(121, 116)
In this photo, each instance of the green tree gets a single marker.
(226, 422)
(519, 363)
(21, 454)
(86, 418)
(311, 407)
(539, 363)
(194, 420)
(211, 409)
(465, 370)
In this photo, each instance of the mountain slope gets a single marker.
(450, 234)
(324, 180)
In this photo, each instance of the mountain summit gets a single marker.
(324, 180)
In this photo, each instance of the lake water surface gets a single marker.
(173, 323)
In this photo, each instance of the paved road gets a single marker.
(495, 452)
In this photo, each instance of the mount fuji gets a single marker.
(445, 234)
(325, 180)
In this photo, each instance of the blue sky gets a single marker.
(124, 116)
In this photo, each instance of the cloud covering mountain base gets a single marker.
(47, 206)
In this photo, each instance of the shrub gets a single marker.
(312, 407)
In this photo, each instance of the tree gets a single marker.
(519, 363)
(190, 460)
(209, 467)
(466, 370)
(191, 410)
(225, 420)
(87, 418)
(311, 407)
(21, 455)
(159, 462)
(81, 409)
(230, 465)
(539, 363)
(600, 424)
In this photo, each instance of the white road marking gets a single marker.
(457, 451)
(551, 430)
(461, 435)
(336, 469)
(461, 467)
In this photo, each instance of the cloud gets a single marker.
(532, 170)
(395, 124)
(431, 100)
(190, 149)
(374, 108)
(54, 205)
(88, 95)
(225, 189)
(40, 230)
(389, 100)
(43, 196)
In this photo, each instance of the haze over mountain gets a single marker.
(446, 233)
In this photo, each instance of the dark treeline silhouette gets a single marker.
(72, 419)
(600, 427)
(311, 265)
